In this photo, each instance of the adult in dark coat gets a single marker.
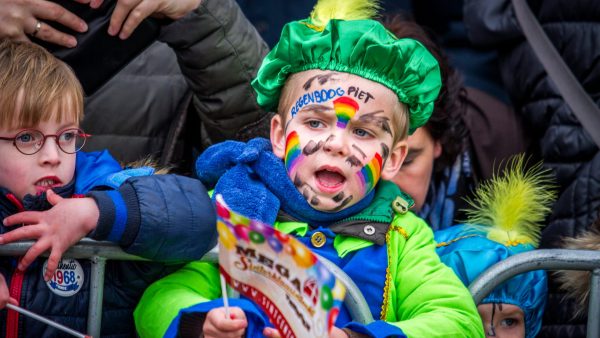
(563, 143)
(148, 108)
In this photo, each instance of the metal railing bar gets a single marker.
(546, 259)
(593, 324)
(542, 259)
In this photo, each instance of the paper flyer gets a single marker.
(299, 294)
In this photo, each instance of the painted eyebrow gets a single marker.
(381, 122)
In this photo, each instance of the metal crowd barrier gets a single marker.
(100, 252)
(546, 259)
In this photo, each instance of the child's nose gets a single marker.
(337, 143)
(50, 153)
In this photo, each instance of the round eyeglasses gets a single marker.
(30, 141)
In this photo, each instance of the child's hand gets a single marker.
(270, 332)
(5, 295)
(218, 325)
(57, 229)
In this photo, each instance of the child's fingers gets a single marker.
(37, 249)
(230, 325)
(26, 217)
(236, 313)
(139, 13)
(120, 13)
(13, 301)
(270, 332)
(53, 197)
(217, 324)
(53, 261)
(96, 3)
(27, 232)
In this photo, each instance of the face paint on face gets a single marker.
(362, 153)
(385, 151)
(354, 161)
(345, 108)
(321, 78)
(382, 122)
(312, 147)
(343, 204)
(338, 151)
(369, 175)
(338, 197)
(316, 97)
(314, 201)
(310, 195)
(293, 154)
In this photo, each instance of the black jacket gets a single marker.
(574, 29)
(213, 53)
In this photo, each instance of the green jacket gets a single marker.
(421, 296)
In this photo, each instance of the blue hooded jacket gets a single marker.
(165, 218)
(468, 251)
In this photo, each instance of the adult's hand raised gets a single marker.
(20, 18)
(128, 14)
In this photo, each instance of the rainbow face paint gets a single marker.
(369, 175)
(345, 108)
(293, 153)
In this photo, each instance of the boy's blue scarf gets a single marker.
(254, 182)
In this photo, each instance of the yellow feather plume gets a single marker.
(326, 10)
(515, 204)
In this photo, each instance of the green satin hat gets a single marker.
(356, 45)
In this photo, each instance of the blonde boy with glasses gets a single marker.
(55, 195)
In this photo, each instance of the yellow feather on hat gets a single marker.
(326, 10)
(515, 204)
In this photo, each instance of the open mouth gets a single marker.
(46, 183)
(329, 180)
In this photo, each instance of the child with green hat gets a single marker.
(347, 93)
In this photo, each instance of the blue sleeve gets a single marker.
(164, 218)
(255, 316)
(377, 329)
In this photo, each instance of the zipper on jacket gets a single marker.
(12, 317)
(16, 285)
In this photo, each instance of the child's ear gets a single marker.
(394, 162)
(278, 136)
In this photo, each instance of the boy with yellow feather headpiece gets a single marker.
(505, 219)
(347, 93)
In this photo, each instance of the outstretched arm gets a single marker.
(168, 218)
